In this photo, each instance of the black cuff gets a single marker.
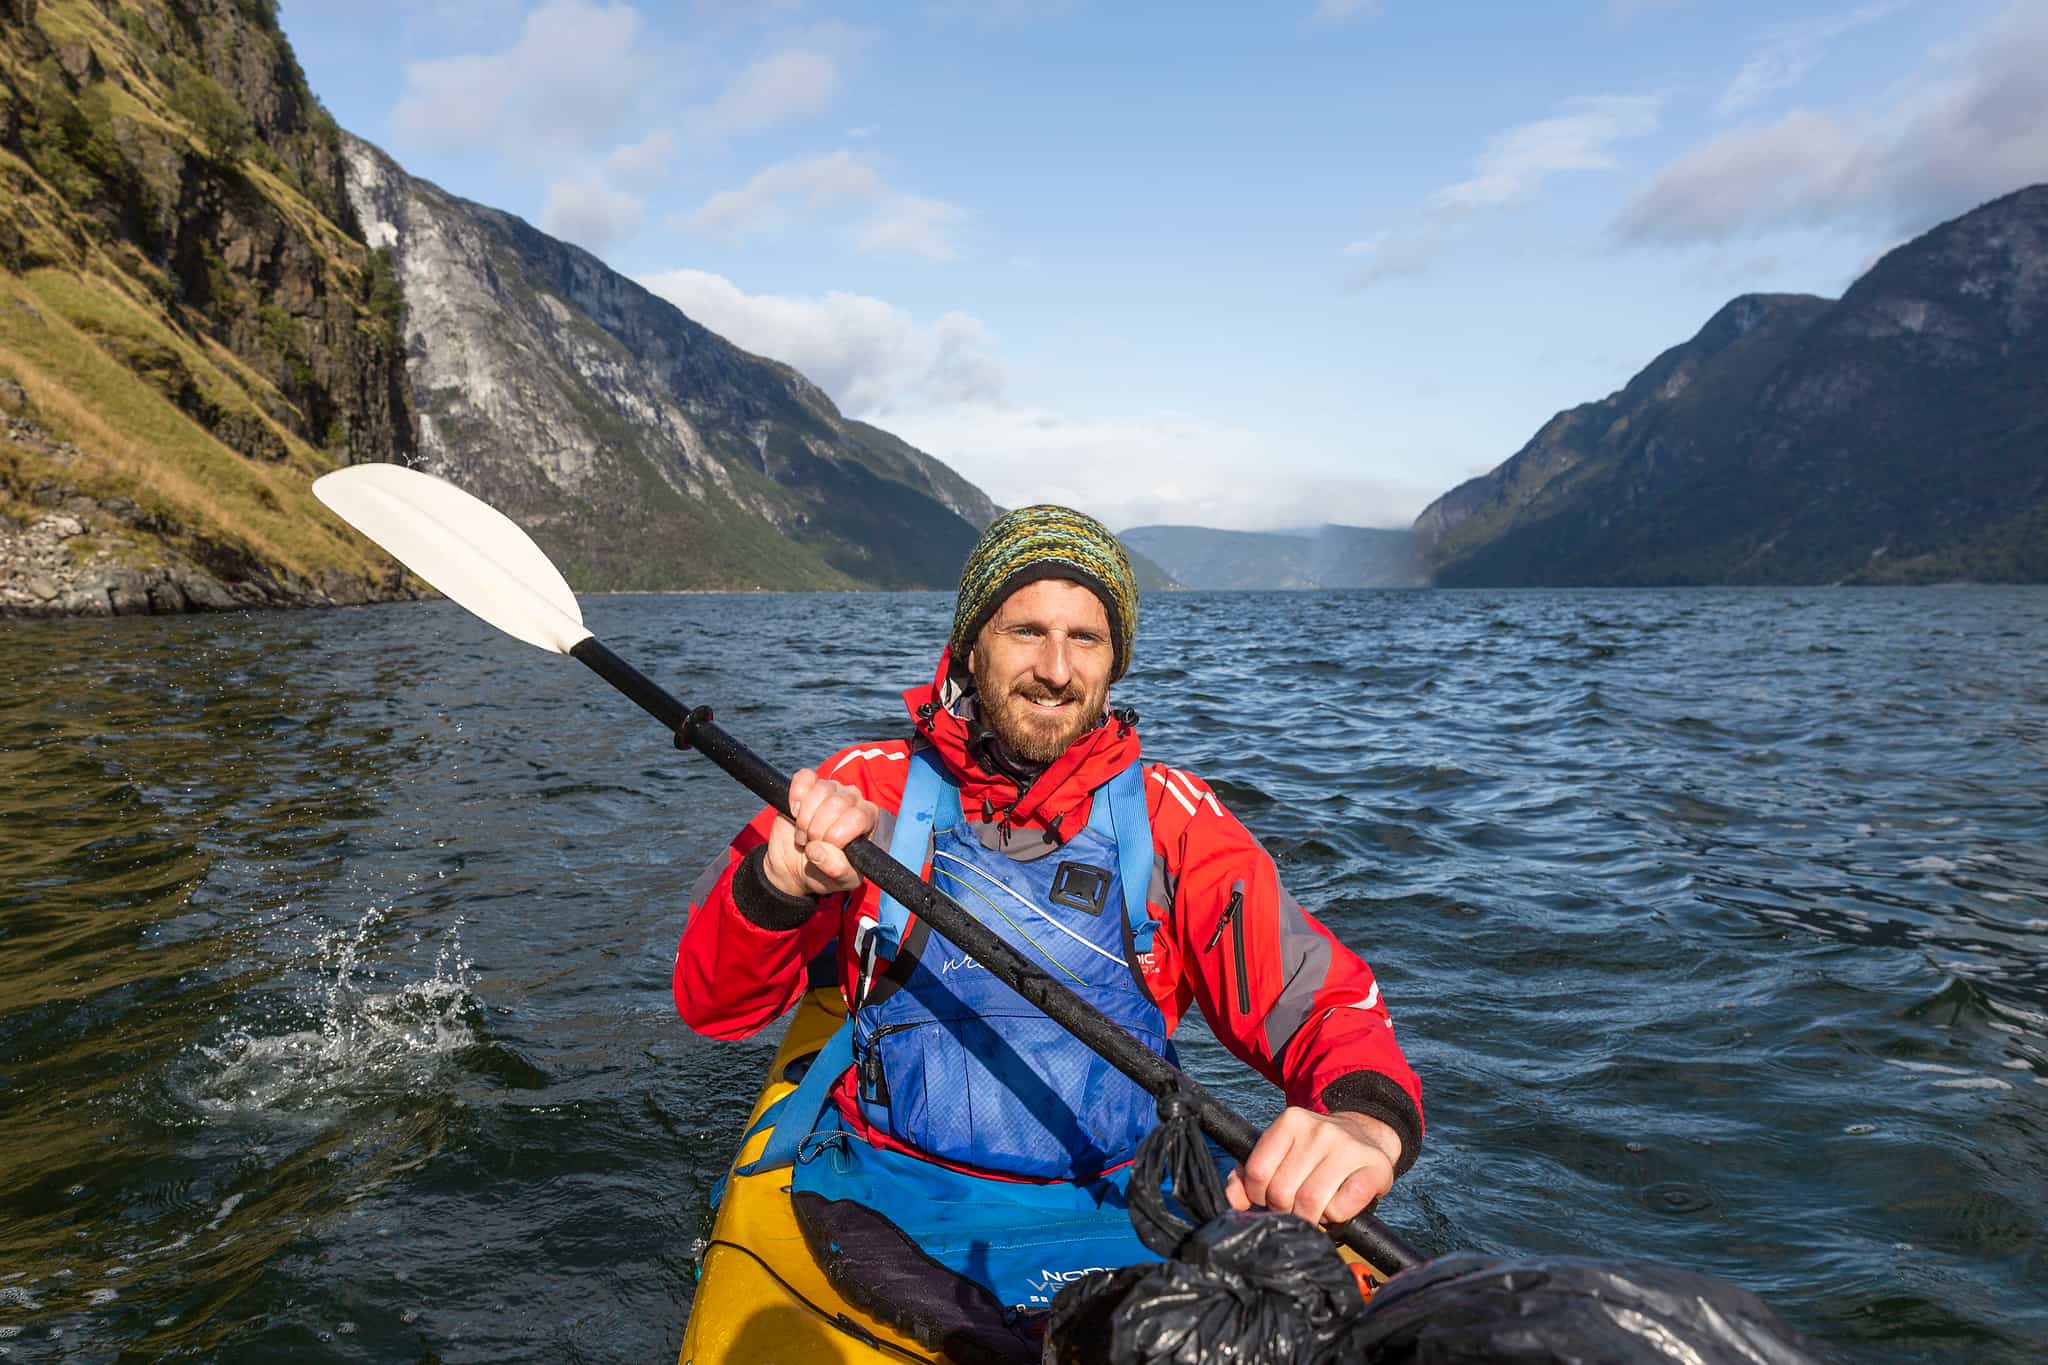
(760, 901)
(1379, 1097)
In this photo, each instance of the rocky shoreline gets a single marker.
(79, 557)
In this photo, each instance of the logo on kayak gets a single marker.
(957, 964)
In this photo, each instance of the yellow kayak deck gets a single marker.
(761, 1298)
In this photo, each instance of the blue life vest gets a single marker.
(957, 1065)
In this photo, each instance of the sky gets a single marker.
(1235, 265)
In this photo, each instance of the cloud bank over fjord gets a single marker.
(872, 357)
(941, 385)
(1515, 165)
(1971, 124)
(885, 220)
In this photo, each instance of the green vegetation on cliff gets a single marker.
(190, 323)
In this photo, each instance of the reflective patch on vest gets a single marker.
(1081, 887)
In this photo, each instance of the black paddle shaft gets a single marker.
(1382, 1248)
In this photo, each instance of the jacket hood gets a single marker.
(940, 710)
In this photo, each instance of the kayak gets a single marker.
(761, 1296)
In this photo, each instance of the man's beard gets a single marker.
(1027, 732)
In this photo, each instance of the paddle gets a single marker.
(482, 561)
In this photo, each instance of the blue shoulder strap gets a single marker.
(1124, 794)
(797, 1113)
(911, 843)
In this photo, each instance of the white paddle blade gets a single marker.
(472, 552)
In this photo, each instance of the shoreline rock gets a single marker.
(43, 576)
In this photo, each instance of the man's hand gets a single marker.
(806, 856)
(1325, 1167)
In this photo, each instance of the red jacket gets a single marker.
(1303, 1011)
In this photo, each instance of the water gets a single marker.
(335, 948)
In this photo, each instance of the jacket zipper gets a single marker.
(1233, 915)
(874, 1086)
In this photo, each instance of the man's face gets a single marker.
(1041, 667)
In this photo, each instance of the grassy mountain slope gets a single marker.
(191, 329)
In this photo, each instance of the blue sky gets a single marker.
(1231, 265)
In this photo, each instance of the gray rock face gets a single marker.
(641, 450)
(1899, 434)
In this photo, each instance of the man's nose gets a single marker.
(1052, 665)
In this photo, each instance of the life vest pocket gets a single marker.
(1007, 1092)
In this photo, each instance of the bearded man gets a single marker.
(966, 1135)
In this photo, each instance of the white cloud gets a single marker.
(764, 202)
(1132, 472)
(1387, 255)
(869, 355)
(575, 72)
(1577, 138)
(1343, 11)
(777, 89)
(910, 225)
(1970, 125)
(893, 222)
(1514, 166)
(590, 213)
(940, 385)
(1004, 12)
(643, 161)
(1790, 54)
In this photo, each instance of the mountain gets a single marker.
(640, 449)
(191, 326)
(1897, 435)
(1313, 557)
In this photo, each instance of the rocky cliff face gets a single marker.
(1897, 435)
(641, 450)
(191, 327)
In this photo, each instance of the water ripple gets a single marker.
(336, 948)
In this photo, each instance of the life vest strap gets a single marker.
(797, 1113)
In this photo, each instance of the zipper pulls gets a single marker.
(1230, 912)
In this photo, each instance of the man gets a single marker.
(1023, 794)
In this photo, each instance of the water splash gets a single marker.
(373, 1038)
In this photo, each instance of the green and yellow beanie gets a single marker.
(1046, 542)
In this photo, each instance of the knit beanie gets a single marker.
(1046, 542)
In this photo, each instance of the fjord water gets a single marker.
(335, 948)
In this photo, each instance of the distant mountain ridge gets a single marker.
(1898, 435)
(1328, 556)
(641, 449)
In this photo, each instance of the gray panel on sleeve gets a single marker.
(1305, 958)
(708, 878)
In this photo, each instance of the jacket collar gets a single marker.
(942, 714)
